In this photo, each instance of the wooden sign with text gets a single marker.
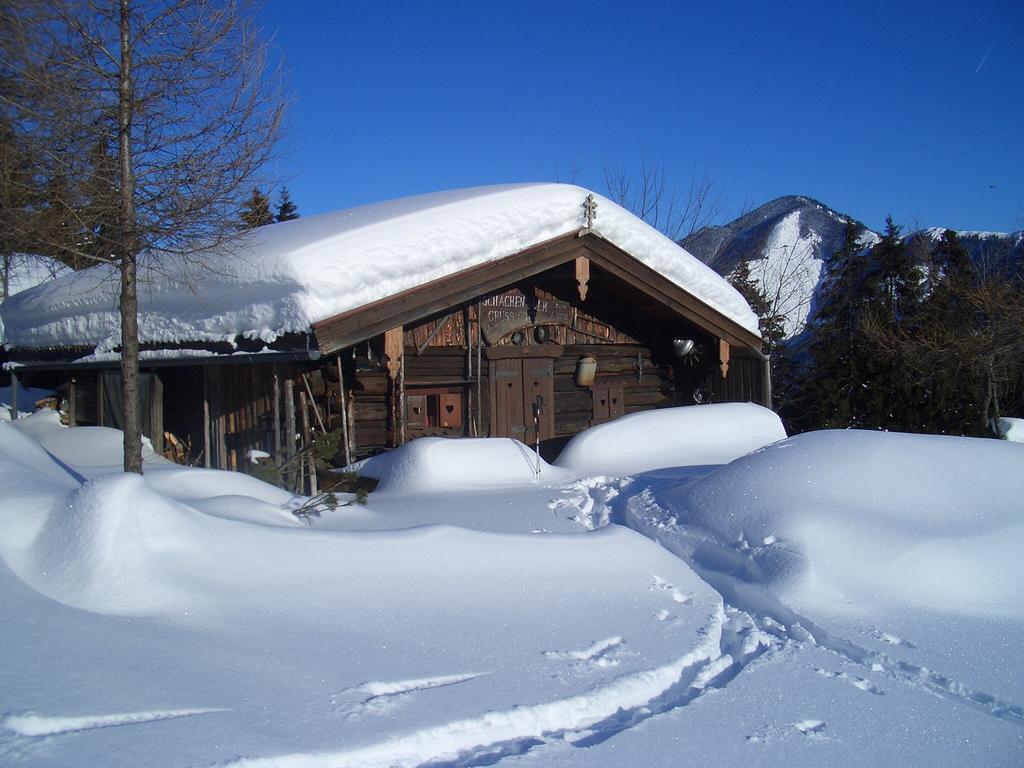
(506, 312)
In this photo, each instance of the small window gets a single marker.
(435, 412)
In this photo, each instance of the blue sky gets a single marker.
(913, 109)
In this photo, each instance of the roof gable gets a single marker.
(355, 325)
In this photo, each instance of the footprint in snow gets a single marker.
(812, 729)
(603, 653)
(666, 586)
(891, 639)
(857, 682)
(378, 697)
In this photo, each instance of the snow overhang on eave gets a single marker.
(212, 358)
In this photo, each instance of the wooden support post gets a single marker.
(207, 458)
(401, 402)
(312, 401)
(14, 396)
(767, 382)
(583, 276)
(221, 421)
(156, 410)
(478, 424)
(468, 331)
(344, 414)
(72, 403)
(394, 346)
(723, 356)
(99, 399)
(352, 436)
(308, 458)
(277, 415)
(289, 429)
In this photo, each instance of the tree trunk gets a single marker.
(129, 295)
(7, 277)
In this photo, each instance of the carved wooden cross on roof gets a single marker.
(590, 210)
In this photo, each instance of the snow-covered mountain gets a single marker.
(788, 239)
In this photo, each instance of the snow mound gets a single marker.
(1012, 429)
(87, 449)
(228, 495)
(671, 437)
(106, 549)
(284, 277)
(437, 464)
(845, 517)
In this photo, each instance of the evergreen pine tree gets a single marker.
(256, 210)
(286, 209)
(893, 397)
(832, 392)
(899, 275)
(949, 321)
(953, 276)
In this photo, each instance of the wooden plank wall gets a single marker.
(241, 412)
(616, 367)
(744, 384)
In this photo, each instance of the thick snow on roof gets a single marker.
(27, 270)
(284, 277)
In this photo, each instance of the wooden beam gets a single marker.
(72, 403)
(394, 349)
(207, 458)
(14, 396)
(276, 385)
(156, 409)
(289, 431)
(355, 325)
(582, 276)
(723, 356)
(361, 323)
(344, 414)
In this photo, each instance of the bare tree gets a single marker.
(176, 95)
(674, 211)
(787, 276)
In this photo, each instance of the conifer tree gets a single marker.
(833, 388)
(256, 210)
(899, 276)
(286, 208)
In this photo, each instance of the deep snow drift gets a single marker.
(835, 598)
(671, 437)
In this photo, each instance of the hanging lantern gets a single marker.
(586, 370)
(541, 334)
(682, 347)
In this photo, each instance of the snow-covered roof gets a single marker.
(27, 270)
(284, 277)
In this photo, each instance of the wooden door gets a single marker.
(539, 397)
(519, 386)
(507, 413)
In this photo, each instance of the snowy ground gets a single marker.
(838, 598)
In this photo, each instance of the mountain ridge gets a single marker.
(789, 239)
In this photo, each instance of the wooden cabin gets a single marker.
(536, 344)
